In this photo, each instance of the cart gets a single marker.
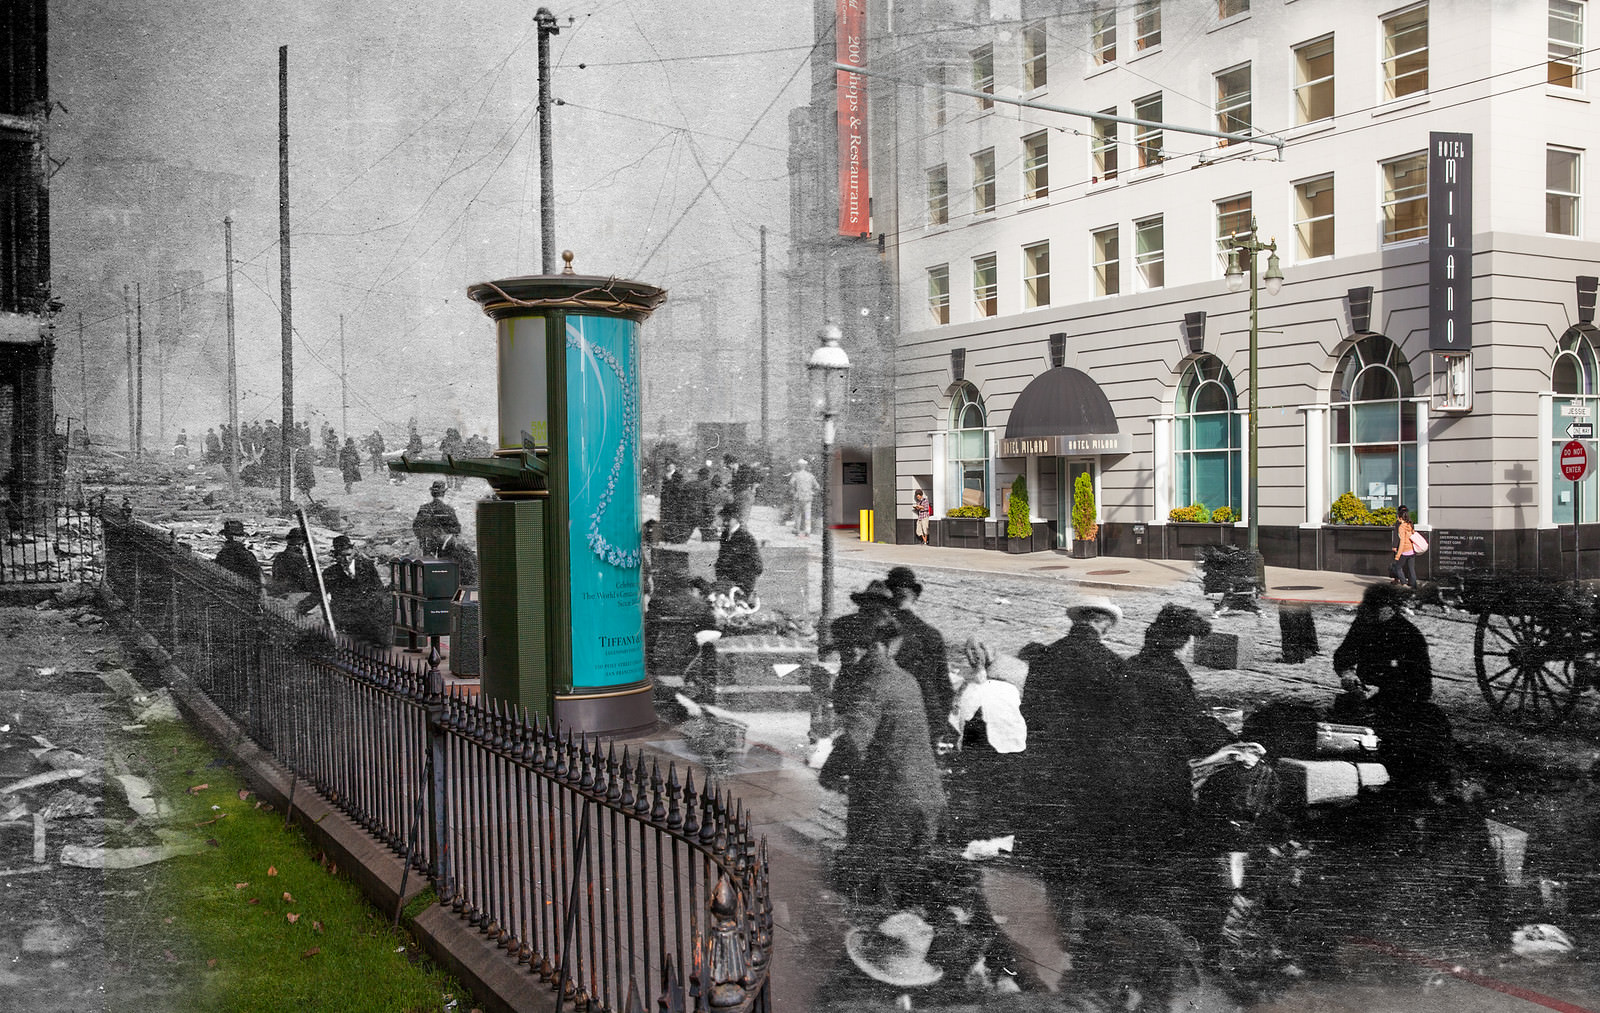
(1536, 646)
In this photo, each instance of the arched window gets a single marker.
(1573, 375)
(1374, 440)
(1208, 438)
(968, 448)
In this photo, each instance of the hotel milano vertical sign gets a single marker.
(854, 219)
(1449, 242)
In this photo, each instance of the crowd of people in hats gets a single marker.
(704, 502)
(260, 450)
(1102, 775)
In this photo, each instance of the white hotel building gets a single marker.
(1062, 301)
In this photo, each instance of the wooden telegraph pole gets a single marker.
(344, 385)
(286, 438)
(127, 327)
(232, 459)
(138, 365)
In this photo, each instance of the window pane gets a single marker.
(1405, 199)
(1036, 275)
(1211, 431)
(1566, 375)
(1211, 397)
(1314, 81)
(936, 93)
(1211, 479)
(983, 182)
(983, 74)
(1314, 217)
(1105, 145)
(985, 285)
(1233, 101)
(1148, 139)
(1339, 465)
(1103, 38)
(1566, 42)
(1377, 467)
(939, 293)
(1149, 253)
(1147, 25)
(938, 196)
(1377, 423)
(1562, 185)
(1035, 165)
(1228, 8)
(1233, 218)
(1376, 384)
(1405, 52)
(1106, 256)
(1033, 57)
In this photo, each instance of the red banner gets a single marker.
(854, 219)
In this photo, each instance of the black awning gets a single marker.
(1061, 402)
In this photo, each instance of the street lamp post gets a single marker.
(1250, 246)
(827, 368)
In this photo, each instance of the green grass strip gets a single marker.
(254, 921)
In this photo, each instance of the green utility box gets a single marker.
(423, 590)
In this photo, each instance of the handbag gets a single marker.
(1419, 545)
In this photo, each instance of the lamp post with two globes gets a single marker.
(828, 368)
(1249, 246)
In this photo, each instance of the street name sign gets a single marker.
(1574, 461)
(1575, 411)
(1580, 430)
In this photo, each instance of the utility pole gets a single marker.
(127, 327)
(161, 365)
(344, 386)
(547, 187)
(232, 450)
(83, 379)
(138, 365)
(286, 437)
(766, 429)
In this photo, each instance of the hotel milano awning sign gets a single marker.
(1063, 413)
(1082, 445)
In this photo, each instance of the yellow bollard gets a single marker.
(866, 526)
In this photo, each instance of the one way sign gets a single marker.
(1580, 430)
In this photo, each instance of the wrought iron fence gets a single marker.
(59, 542)
(604, 875)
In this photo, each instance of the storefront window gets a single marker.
(968, 449)
(1374, 427)
(1208, 442)
(1572, 379)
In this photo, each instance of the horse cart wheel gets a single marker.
(1530, 670)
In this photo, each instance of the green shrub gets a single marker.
(1347, 509)
(975, 510)
(1198, 513)
(1385, 516)
(1083, 523)
(1017, 523)
(1224, 515)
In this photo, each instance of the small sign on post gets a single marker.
(1580, 430)
(1574, 465)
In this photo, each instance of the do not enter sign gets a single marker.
(1574, 461)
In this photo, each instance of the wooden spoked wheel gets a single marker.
(1530, 670)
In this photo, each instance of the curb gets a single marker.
(497, 984)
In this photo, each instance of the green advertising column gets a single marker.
(560, 585)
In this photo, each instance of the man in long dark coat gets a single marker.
(676, 519)
(1077, 704)
(349, 463)
(356, 592)
(435, 513)
(883, 760)
(922, 652)
(291, 569)
(234, 556)
(739, 559)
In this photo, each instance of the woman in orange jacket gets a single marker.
(1404, 552)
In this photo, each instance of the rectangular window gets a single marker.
(1107, 261)
(1036, 166)
(1229, 8)
(939, 293)
(983, 182)
(1313, 217)
(1566, 42)
(1405, 198)
(1313, 88)
(936, 93)
(1563, 184)
(985, 285)
(1233, 101)
(1147, 25)
(1105, 146)
(1034, 73)
(1103, 37)
(1036, 275)
(1148, 140)
(983, 74)
(938, 196)
(1405, 52)
(1149, 253)
(1233, 218)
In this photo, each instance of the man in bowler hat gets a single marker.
(923, 652)
(234, 556)
(356, 592)
(435, 513)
